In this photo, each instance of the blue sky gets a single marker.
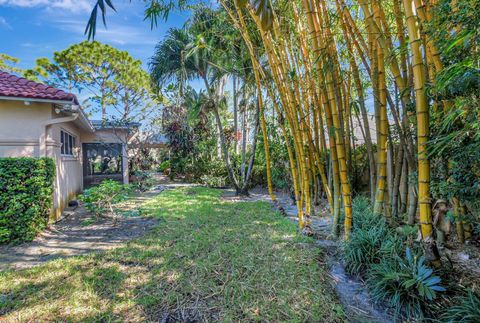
(30, 29)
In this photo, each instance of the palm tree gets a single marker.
(201, 50)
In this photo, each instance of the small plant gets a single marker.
(164, 166)
(144, 181)
(363, 248)
(407, 285)
(101, 199)
(214, 181)
(87, 221)
(466, 309)
(370, 241)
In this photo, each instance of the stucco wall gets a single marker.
(21, 129)
(108, 135)
(69, 180)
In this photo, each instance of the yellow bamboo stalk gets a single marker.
(422, 121)
(382, 127)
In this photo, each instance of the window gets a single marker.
(68, 143)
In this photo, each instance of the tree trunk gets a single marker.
(423, 130)
(235, 115)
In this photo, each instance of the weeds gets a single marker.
(207, 260)
(465, 310)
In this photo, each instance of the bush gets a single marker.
(214, 181)
(399, 279)
(164, 166)
(406, 285)
(26, 188)
(370, 241)
(101, 198)
(143, 180)
(466, 309)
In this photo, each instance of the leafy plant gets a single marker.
(100, 199)
(214, 181)
(405, 284)
(466, 309)
(143, 181)
(363, 248)
(26, 189)
(164, 165)
(370, 241)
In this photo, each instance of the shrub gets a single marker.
(363, 249)
(143, 180)
(101, 198)
(466, 309)
(370, 241)
(26, 188)
(406, 285)
(214, 181)
(164, 166)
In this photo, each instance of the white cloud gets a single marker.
(68, 5)
(117, 33)
(4, 23)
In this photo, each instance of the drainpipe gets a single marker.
(46, 126)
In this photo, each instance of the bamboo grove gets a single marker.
(320, 67)
(319, 63)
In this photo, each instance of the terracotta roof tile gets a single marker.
(19, 87)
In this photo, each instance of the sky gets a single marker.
(30, 29)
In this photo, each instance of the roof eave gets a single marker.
(16, 98)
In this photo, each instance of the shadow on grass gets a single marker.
(207, 260)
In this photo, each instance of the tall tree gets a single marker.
(111, 79)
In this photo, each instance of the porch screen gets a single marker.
(102, 161)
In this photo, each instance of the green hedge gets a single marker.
(26, 188)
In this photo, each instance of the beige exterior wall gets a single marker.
(22, 132)
(20, 127)
(69, 180)
(31, 131)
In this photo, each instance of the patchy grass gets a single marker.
(207, 260)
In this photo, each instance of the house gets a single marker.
(37, 120)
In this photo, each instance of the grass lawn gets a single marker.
(207, 260)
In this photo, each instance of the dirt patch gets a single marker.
(79, 233)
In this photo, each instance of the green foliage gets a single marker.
(114, 80)
(454, 147)
(406, 285)
(281, 177)
(164, 165)
(214, 181)
(26, 188)
(154, 10)
(465, 310)
(370, 241)
(143, 181)
(376, 251)
(101, 198)
(7, 63)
